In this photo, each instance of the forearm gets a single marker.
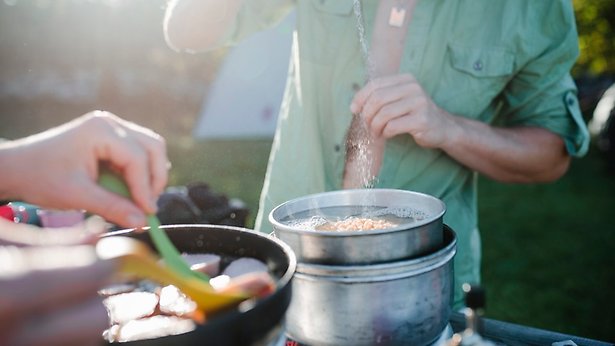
(197, 25)
(516, 155)
(13, 170)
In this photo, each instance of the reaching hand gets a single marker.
(58, 168)
(48, 294)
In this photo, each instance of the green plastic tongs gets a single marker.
(170, 255)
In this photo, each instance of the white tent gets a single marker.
(244, 99)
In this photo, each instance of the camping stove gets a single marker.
(446, 334)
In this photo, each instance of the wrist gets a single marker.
(452, 130)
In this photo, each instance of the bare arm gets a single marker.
(58, 168)
(516, 155)
(197, 25)
(398, 105)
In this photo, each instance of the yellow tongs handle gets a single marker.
(136, 259)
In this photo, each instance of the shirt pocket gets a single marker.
(473, 76)
(330, 25)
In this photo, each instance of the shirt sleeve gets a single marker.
(257, 15)
(542, 93)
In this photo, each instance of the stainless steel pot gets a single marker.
(361, 247)
(405, 302)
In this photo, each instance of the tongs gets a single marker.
(136, 258)
(169, 254)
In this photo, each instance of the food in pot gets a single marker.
(144, 310)
(356, 224)
(354, 218)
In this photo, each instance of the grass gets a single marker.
(234, 168)
(548, 251)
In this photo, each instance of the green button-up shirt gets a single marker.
(501, 62)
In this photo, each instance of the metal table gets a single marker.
(517, 335)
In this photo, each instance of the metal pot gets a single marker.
(360, 247)
(405, 302)
(260, 324)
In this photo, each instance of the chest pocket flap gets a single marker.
(339, 7)
(482, 62)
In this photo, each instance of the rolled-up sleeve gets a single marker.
(542, 93)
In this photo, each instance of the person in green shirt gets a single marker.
(455, 89)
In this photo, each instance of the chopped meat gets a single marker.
(174, 302)
(115, 289)
(220, 282)
(255, 284)
(205, 263)
(129, 306)
(244, 265)
(149, 328)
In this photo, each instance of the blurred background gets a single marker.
(549, 249)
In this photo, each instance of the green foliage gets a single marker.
(596, 27)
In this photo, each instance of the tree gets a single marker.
(596, 27)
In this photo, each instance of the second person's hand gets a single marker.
(71, 155)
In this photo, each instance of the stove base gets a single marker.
(441, 341)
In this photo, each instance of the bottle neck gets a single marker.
(472, 321)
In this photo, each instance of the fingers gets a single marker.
(154, 146)
(21, 234)
(53, 295)
(47, 278)
(139, 155)
(114, 208)
(80, 324)
(385, 115)
(360, 99)
(385, 99)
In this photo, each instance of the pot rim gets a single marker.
(279, 226)
(292, 258)
(385, 271)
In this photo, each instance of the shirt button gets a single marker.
(356, 87)
(478, 65)
(337, 148)
(571, 101)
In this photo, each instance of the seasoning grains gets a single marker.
(356, 224)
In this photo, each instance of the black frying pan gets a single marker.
(254, 326)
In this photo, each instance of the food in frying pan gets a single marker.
(144, 309)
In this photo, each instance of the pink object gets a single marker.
(205, 263)
(6, 212)
(60, 218)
